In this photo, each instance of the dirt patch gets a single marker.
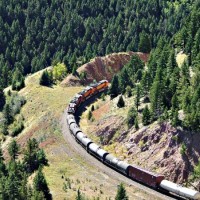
(98, 113)
(102, 68)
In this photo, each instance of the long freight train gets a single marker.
(133, 172)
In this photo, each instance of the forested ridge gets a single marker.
(34, 34)
(172, 91)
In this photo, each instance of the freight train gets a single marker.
(150, 179)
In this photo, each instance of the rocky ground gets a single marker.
(157, 147)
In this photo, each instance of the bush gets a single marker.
(89, 116)
(132, 114)
(128, 91)
(183, 149)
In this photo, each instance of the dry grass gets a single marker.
(42, 114)
(180, 58)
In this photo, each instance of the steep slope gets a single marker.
(158, 147)
(102, 68)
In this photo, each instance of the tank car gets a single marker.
(179, 190)
(74, 128)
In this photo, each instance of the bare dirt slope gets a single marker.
(102, 68)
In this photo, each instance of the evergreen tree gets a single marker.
(13, 150)
(146, 116)
(121, 102)
(114, 88)
(138, 95)
(79, 196)
(121, 193)
(145, 43)
(136, 124)
(2, 99)
(18, 80)
(46, 79)
(40, 184)
(132, 114)
(7, 113)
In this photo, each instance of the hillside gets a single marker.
(157, 147)
(67, 171)
(101, 68)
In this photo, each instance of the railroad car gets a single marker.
(144, 176)
(94, 86)
(85, 142)
(181, 191)
(80, 136)
(123, 167)
(111, 161)
(102, 85)
(74, 128)
(71, 119)
(72, 108)
(87, 92)
(77, 99)
(93, 148)
(102, 154)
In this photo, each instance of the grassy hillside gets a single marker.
(67, 171)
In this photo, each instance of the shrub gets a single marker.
(132, 114)
(89, 116)
(183, 149)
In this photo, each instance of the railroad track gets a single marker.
(78, 149)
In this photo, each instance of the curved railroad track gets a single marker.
(79, 150)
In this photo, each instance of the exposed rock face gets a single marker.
(102, 68)
(107, 128)
(155, 147)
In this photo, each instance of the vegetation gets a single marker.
(14, 179)
(46, 78)
(33, 37)
(121, 102)
(121, 193)
(167, 87)
(14, 102)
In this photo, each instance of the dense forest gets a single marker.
(172, 91)
(35, 34)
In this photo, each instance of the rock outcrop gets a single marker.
(102, 68)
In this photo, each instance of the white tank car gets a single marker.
(178, 189)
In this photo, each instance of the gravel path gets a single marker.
(79, 150)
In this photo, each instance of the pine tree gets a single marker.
(40, 184)
(146, 116)
(2, 99)
(46, 78)
(121, 102)
(145, 43)
(136, 123)
(114, 88)
(79, 196)
(7, 113)
(121, 193)
(13, 150)
(138, 95)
